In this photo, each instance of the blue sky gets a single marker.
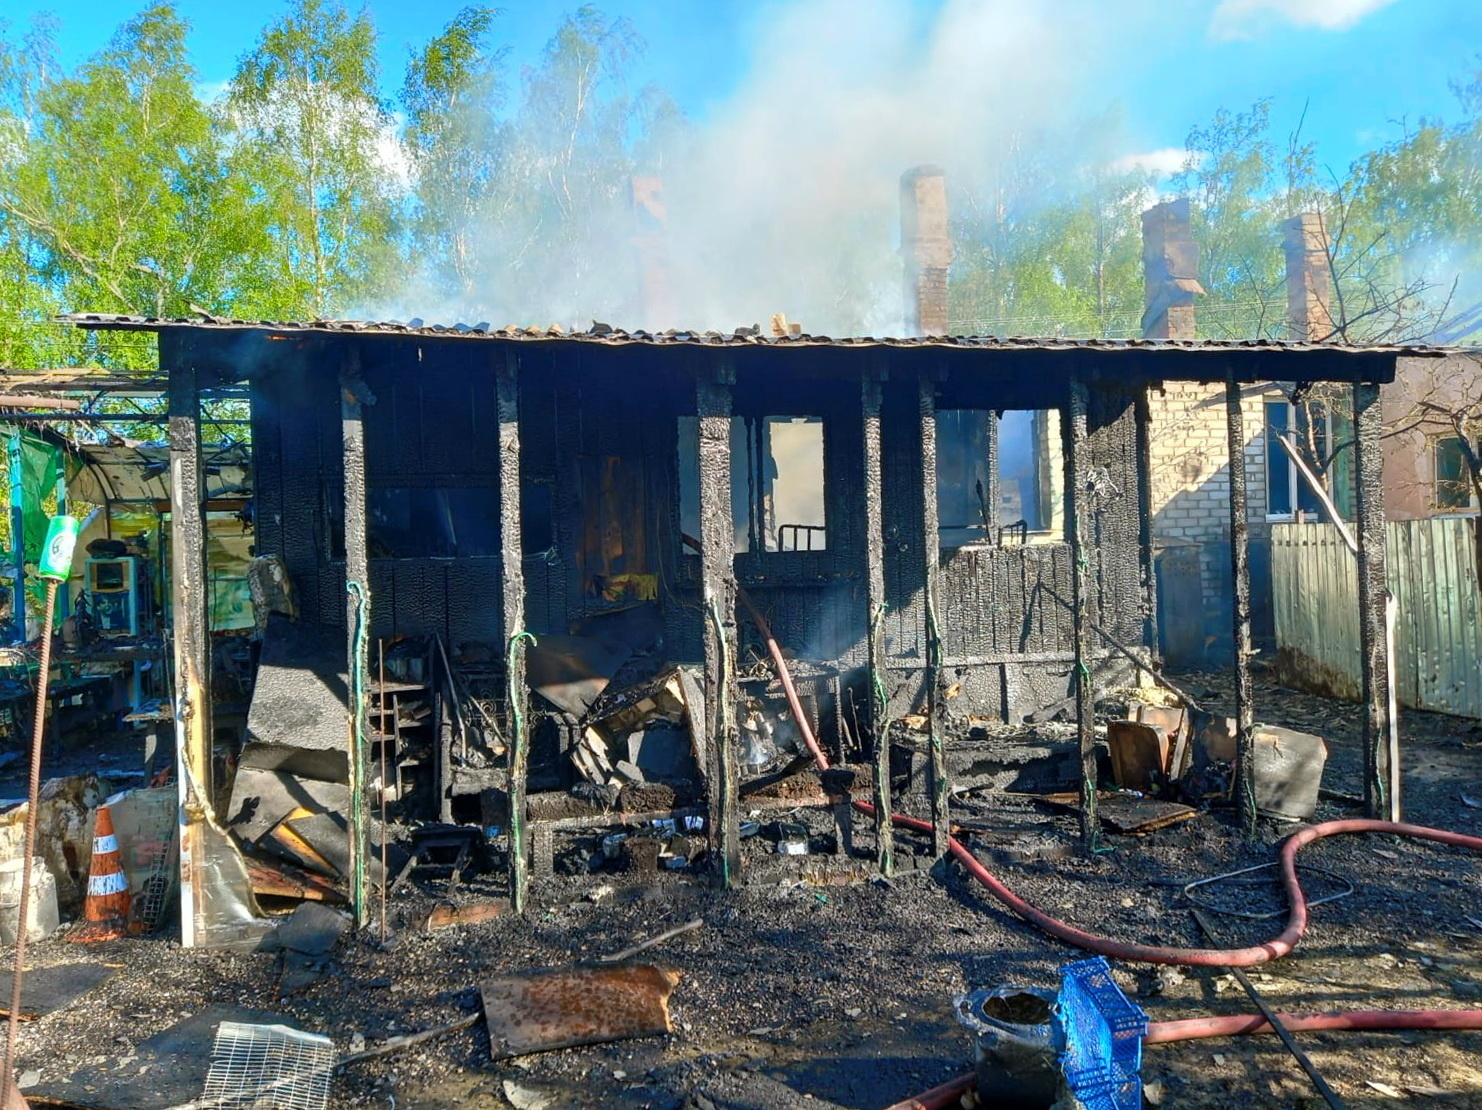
(1356, 66)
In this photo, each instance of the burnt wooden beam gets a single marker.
(1147, 561)
(191, 621)
(713, 381)
(870, 397)
(1245, 766)
(1077, 487)
(991, 493)
(1376, 616)
(353, 397)
(511, 554)
(930, 563)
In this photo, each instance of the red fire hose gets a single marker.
(1105, 946)
(949, 1093)
(1191, 1029)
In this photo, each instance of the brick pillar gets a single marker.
(651, 244)
(1170, 268)
(1309, 284)
(926, 246)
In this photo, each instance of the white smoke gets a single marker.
(785, 197)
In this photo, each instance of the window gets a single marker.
(777, 482)
(1453, 481)
(1023, 494)
(1326, 433)
(789, 511)
(431, 523)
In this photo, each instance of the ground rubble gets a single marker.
(800, 993)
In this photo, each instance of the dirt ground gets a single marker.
(796, 994)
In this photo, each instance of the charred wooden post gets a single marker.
(1146, 557)
(870, 399)
(353, 396)
(718, 592)
(190, 603)
(511, 554)
(1245, 767)
(1376, 616)
(1077, 457)
(930, 563)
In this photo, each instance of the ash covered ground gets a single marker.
(796, 994)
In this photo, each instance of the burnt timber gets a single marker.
(568, 448)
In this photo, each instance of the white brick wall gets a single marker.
(1190, 476)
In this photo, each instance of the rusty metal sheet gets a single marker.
(545, 1010)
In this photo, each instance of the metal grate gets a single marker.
(268, 1067)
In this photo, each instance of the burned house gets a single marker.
(938, 532)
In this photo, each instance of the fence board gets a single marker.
(1432, 572)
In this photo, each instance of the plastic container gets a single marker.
(42, 919)
(1101, 1034)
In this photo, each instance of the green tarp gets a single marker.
(40, 465)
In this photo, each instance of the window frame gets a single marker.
(1433, 449)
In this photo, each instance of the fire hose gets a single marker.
(1192, 1028)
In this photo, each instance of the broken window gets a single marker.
(787, 452)
(777, 482)
(1022, 493)
(614, 543)
(1453, 483)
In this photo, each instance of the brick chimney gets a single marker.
(926, 246)
(1170, 269)
(651, 244)
(1309, 284)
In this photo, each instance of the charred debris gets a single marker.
(526, 600)
(727, 605)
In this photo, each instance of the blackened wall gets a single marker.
(1002, 610)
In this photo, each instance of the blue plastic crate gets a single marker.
(1101, 1036)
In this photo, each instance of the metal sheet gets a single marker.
(1433, 574)
(540, 1011)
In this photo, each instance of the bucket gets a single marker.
(42, 919)
(1288, 772)
(1016, 1056)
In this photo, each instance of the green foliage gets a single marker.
(311, 136)
(457, 143)
(298, 194)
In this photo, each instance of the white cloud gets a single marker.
(1243, 19)
(1165, 162)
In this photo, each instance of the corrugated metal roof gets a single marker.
(741, 337)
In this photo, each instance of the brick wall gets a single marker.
(1191, 480)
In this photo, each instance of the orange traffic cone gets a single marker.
(106, 912)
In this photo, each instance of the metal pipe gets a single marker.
(33, 803)
(1329, 1095)
(17, 534)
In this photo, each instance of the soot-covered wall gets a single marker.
(601, 493)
